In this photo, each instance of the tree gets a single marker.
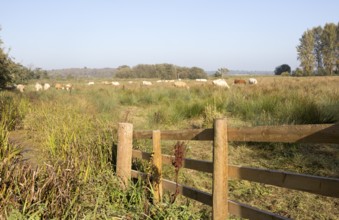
(318, 47)
(282, 69)
(305, 52)
(297, 72)
(5, 64)
(197, 73)
(329, 43)
(221, 72)
(337, 50)
(124, 72)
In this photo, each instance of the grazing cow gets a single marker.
(130, 82)
(181, 84)
(115, 83)
(201, 80)
(58, 86)
(220, 83)
(146, 83)
(38, 87)
(105, 83)
(240, 81)
(69, 87)
(252, 81)
(47, 86)
(90, 83)
(20, 87)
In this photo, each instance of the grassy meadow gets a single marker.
(71, 137)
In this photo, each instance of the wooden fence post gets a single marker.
(124, 153)
(157, 166)
(220, 170)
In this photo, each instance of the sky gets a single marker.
(252, 35)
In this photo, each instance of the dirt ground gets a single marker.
(31, 152)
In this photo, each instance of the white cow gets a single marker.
(20, 87)
(47, 86)
(252, 81)
(38, 87)
(220, 83)
(90, 83)
(115, 83)
(146, 83)
(69, 87)
(201, 80)
(181, 84)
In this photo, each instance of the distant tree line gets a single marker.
(75, 73)
(318, 51)
(162, 71)
(12, 72)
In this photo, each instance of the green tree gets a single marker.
(297, 72)
(221, 72)
(5, 64)
(329, 44)
(305, 52)
(124, 72)
(284, 68)
(317, 33)
(197, 73)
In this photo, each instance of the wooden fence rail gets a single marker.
(324, 133)
(222, 171)
(314, 184)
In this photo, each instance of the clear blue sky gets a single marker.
(238, 34)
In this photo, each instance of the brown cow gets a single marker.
(240, 81)
(59, 86)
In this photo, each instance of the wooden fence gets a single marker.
(221, 134)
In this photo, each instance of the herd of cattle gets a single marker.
(176, 83)
(39, 87)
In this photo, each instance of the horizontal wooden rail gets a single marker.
(323, 133)
(235, 208)
(189, 134)
(199, 165)
(245, 211)
(314, 184)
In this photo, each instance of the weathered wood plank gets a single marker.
(246, 211)
(323, 133)
(192, 193)
(234, 208)
(157, 167)
(137, 174)
(124, 152)
(189, 134)
(220, 170)
(199, 165)
(314, 184)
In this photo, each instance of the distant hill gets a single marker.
(82, 73)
